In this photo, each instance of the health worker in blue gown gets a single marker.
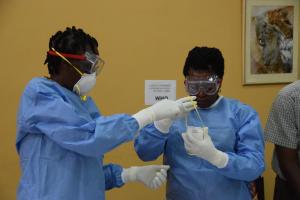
(62, 137)
(217, 149)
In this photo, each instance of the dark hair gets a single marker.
(71, 40)
(204, 59)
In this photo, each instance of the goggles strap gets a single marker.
(67, 55)
(60, 55)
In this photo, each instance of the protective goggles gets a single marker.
(91, 62)
(209, 85)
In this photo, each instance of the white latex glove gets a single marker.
(187, 103)
(163, 125)
(197, 142)
(164, 109)
(153, 176)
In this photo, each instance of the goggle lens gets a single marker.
(209, 86)
(97, 66)
(97, 63)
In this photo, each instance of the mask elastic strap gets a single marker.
(67, 61)
(83, 98)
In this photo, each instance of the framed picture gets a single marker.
(270, 47)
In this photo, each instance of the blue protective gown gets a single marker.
(234, 128)
(61, 141)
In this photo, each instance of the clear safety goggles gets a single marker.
(209, 85)
(91, 62)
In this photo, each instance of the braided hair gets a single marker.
(204, 58)
(72, 41)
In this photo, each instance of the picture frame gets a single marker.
(270, 41)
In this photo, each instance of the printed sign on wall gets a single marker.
(157, 90)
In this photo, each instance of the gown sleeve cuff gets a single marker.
(118, 177)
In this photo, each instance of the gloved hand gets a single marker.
(153, 176)
(164, 109)
(187, 103)
(197, 142)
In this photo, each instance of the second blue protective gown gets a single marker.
(234, 129)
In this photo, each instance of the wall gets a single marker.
(139, 40)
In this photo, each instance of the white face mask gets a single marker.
(85, 84)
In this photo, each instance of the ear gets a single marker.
(221, 81)
(64, 67)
